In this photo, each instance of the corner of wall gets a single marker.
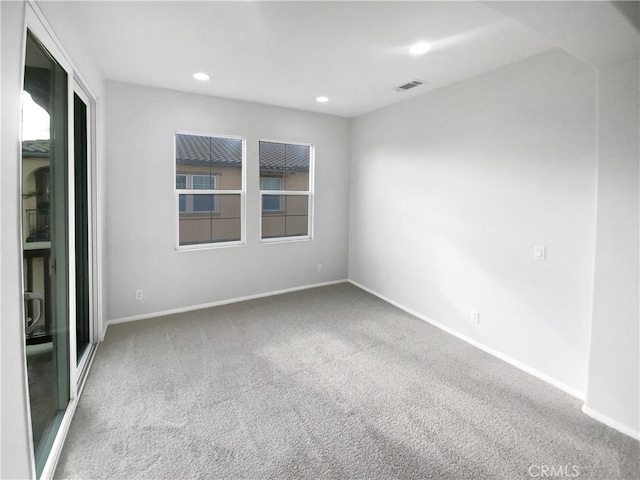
(613, 388)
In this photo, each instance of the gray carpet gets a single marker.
(325, 383)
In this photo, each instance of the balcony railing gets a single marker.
(38, 222)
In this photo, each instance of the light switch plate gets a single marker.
(539, 252)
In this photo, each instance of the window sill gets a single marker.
(301, 238)
(209, 246)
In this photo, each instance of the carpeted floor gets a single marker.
(329, 383)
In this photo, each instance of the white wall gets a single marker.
(14, 415)
(15, 451)
(598, 33)
(605, 35)
(141, 208)
(92, 78)
(1, 311)
(450, 192)
(614, 374)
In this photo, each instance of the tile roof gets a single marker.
(198, 149)
(36, 148)
(281, 156)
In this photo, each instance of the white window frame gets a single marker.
(191, 191)
(186, 184)
(308, 193)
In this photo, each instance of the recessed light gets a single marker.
(322, 99)
(420, 48)
(201, 76)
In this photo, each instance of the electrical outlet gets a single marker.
(475, 317)
(139, 295)
(320, 267)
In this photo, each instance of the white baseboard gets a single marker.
(635, 434)
(525, 368)
(218, 303)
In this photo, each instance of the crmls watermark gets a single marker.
(553, 471)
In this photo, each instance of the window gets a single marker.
(285, 190)
(181, 181)
(271, 203)
(197, 203)
(203, 182)
(209, 189)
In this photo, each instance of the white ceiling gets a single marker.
(600, 33)
(288, 53)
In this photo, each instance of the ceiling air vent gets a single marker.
(409, 86)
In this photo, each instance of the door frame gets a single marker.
(80, 88)
(36, 23)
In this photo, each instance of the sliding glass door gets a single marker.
(58, 239)
(45, 243)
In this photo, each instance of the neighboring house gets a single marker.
(36, 230)
(35, 175)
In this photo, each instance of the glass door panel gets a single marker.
(45, 243)
(81, 184)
